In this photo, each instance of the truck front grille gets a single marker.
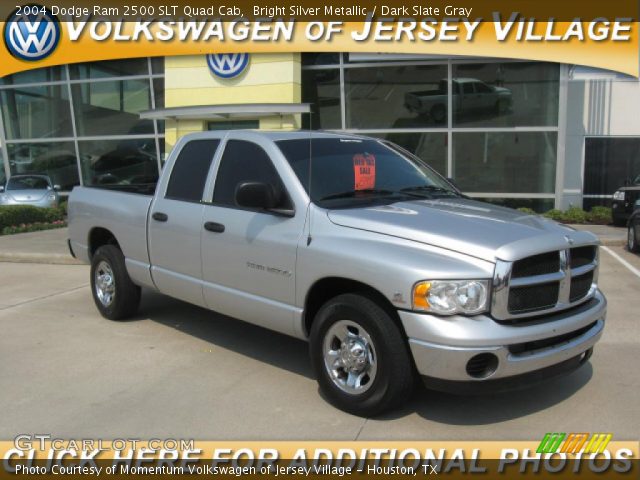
(533, 298)
(536, 265)
(544, 283)
(580, 286)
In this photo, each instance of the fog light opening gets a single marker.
(482, 365)
(584, 357)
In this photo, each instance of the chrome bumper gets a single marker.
(442, 346)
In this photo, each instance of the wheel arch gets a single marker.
(327, 288)
(99, 236)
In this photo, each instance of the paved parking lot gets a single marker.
(181, 371)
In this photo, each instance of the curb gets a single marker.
(42, 258)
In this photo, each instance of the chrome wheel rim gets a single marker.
(105, 284)
(350, 357)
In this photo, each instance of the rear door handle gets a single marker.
(160, 217)
(214, 227)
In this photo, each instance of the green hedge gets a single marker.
(597, 215)
(12, 215)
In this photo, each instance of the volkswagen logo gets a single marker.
(32, 36)
(227, 65)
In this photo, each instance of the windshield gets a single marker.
(27, 183)
(348, 171)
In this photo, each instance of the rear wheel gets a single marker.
(114, 294)
(359, 356)
(633, 232)
(438, 113)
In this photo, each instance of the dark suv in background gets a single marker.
(624, 200)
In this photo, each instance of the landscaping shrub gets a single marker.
(600, 216)
(554, 214)
(575, 215)
(527, 210)
(32, 227)
(12, 215)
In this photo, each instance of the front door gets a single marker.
(248, 257)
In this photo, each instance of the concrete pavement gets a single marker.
(181, 371)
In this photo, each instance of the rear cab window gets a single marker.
(190, 170)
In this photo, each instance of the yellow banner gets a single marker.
(605, 43)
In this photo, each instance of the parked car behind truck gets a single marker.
(624, 200)
(357, 247)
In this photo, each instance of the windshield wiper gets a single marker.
(421, 190)
(355, 193)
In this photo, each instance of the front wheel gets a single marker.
(115, 295)
(632, 236)
(359, 356)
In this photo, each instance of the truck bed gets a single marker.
(123, 213)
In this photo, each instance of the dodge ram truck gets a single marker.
(360, 248)
(469, 95)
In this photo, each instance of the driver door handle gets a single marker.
(214, 227)
(160, 217)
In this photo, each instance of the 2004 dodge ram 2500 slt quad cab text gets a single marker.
(357, 246)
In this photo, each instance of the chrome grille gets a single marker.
(544, 283)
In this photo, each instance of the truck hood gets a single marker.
(467, 226)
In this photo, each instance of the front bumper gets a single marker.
(443, 346)
(40, 203)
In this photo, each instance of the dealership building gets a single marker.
(517, 133)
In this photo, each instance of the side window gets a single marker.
(483, 88)
(190, 170)
(245, 162)
(467, 88)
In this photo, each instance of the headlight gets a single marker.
(618, 195)
(447, 297)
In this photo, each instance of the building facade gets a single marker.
(517, 133)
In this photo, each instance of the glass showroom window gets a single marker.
(112, 108)
(109, 69)
(609, 163)
(407, 96)
(40, 75)
(128, 161)
(505, 94)
(36, 112)
(505, 162)
(430, 147)
(321, 88)
(55, 159)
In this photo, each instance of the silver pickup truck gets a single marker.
(358, 247)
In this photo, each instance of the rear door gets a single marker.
(248, 259)
(176, 221)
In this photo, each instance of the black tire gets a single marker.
(393, 379)
(619, 221)
(502, 106)
(632, 236)
(438, 113)
(126, 295)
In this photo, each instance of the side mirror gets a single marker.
(56, 188)
(256, 195)
(260, 196)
